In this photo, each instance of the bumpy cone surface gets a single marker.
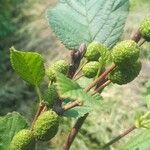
(125, 74)
(23, 140)
(51, 95)
(125, 52)
(59, 66)
(46, 126)
(90, 69)
(94, 51)
(145, 29)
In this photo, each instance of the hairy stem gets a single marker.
(126, 132)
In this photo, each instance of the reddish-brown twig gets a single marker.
(126, 132)
(100, 78)
(71, 105)
(101, 87)
(74, 132)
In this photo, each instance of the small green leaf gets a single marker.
(77, 112)
(141, 141)
(28, 65)
(68, 88)
(9, 126)
(78, 21)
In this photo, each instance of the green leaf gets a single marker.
(141, 141)
(78, 21)
(9, 126)
(68, 88)
(77, 112)
(28, 65)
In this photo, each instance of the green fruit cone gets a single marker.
(124, 75)
(59, 66)
(145, 29)
(94, 51)
(23, 140)
(51, 95)
(125, 52)
(46, 126)
(90, 69)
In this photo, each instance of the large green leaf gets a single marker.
(9, 126)
(141, 141)
(28, 65)
(68, 88)
(77, 21)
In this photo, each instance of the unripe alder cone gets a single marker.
(145, 29)
(90, 69)
(59, 66)
(46, 126)
(124, 75)
(125, 52)
(23, 140)
(51, 95)
(94, 51)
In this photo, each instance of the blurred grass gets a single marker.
(33, 33)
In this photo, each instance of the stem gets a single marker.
(74, 131)
(126, 132)
(100, 69)
(38, 93)
(71, 105)
(100, 78)
(141, 42)
(78, 77)
(79, 70)
(101, 87)
(40, 109)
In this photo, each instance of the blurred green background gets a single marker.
(23, 25)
